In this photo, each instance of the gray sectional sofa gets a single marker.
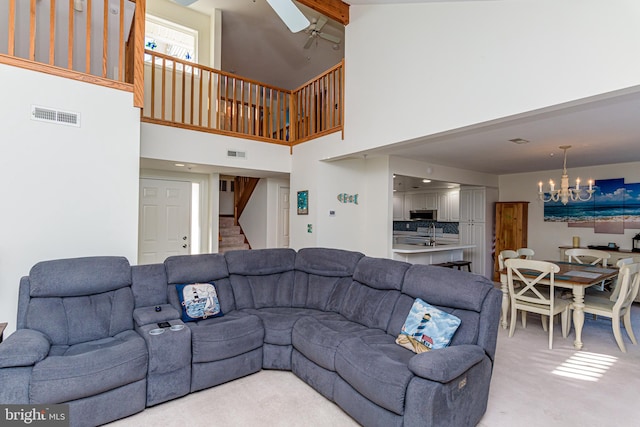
(87, 334)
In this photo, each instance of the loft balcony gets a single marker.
(56, 37)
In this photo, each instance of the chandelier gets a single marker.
(566, 193)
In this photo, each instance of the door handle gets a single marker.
(184, 237)
(184, 246)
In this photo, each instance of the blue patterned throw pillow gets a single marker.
(199, 301)
(427, 328)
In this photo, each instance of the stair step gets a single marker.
(230, 231)
(226, 221)
(223, 249)
(237, 239)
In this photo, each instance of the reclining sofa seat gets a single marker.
(75, 342)
(282, 287)
(223, 348)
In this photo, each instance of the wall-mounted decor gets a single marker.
(348, 198)
(303, 202)
(615, 206)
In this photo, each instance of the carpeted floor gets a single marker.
(531, 386)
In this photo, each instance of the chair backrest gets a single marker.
(505, 255)
(594, 256)
(78, 299)
(527, 253)
(627, 287)
(530, 273)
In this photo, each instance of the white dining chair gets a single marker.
(502, 256)
(526, 253)
(620, 306)
(534, 296)
(589, 256)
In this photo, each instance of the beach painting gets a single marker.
(614, 207)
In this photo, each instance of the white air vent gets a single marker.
(237, 154)
(50, 115)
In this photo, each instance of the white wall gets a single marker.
(187, 146)
(440, 66)
(260, 217)
(545, 237)
(66, 191)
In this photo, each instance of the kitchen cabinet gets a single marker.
(398, 207)
(476, 218)
(449, 206)
(511, 229)
(430, 201)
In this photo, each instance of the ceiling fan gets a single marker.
(315, 30)
(290, 14)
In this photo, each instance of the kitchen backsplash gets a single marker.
(447, 227)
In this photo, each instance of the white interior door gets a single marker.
(165, 217)
(283, 217)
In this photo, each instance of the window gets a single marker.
(170, 39)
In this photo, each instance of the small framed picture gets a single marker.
(303, 202)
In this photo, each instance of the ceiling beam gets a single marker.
(334, 9)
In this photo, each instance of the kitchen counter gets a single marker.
(416, 254)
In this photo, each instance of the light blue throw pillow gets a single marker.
(199, 301)
(427, 328)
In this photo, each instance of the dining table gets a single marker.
(576, 277)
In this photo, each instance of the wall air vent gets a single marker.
(50, 115)
(237, 154)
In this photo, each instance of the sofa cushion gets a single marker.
(427, 328)
(374, 291)
(89, 368)
(219, 338)
(377, 368)
(79, 276)
(262, 278)
(278, 322)
(204, 268)
(322, 277)
(73, 320)
(198, 301)
(317, 337)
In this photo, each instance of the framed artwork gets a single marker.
(303, 202)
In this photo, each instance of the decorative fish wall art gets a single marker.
(348, 198)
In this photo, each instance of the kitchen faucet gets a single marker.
(432, 240)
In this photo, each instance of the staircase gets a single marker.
(231, 237)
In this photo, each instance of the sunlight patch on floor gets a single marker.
(585, 366)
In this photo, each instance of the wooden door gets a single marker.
(511, 227)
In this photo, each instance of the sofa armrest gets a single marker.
(25, 347)
(147, 315)
(446, 364)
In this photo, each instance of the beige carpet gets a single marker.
(531, 386)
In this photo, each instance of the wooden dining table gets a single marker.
(576, 277)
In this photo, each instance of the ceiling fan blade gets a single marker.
(321, 21)
(332, 39)
(290, 14)
(307, 45)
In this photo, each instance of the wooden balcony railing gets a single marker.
(90, 40)
(192, 96)
(102, 42)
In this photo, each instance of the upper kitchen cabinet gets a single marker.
(473, 205)
(449, 206)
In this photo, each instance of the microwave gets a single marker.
(423, 215)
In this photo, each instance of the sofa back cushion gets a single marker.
(459, 293)
(78, 300)
(205, 268)
(262, 277)
(374, 291)
(322, 277)
(149, 285)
